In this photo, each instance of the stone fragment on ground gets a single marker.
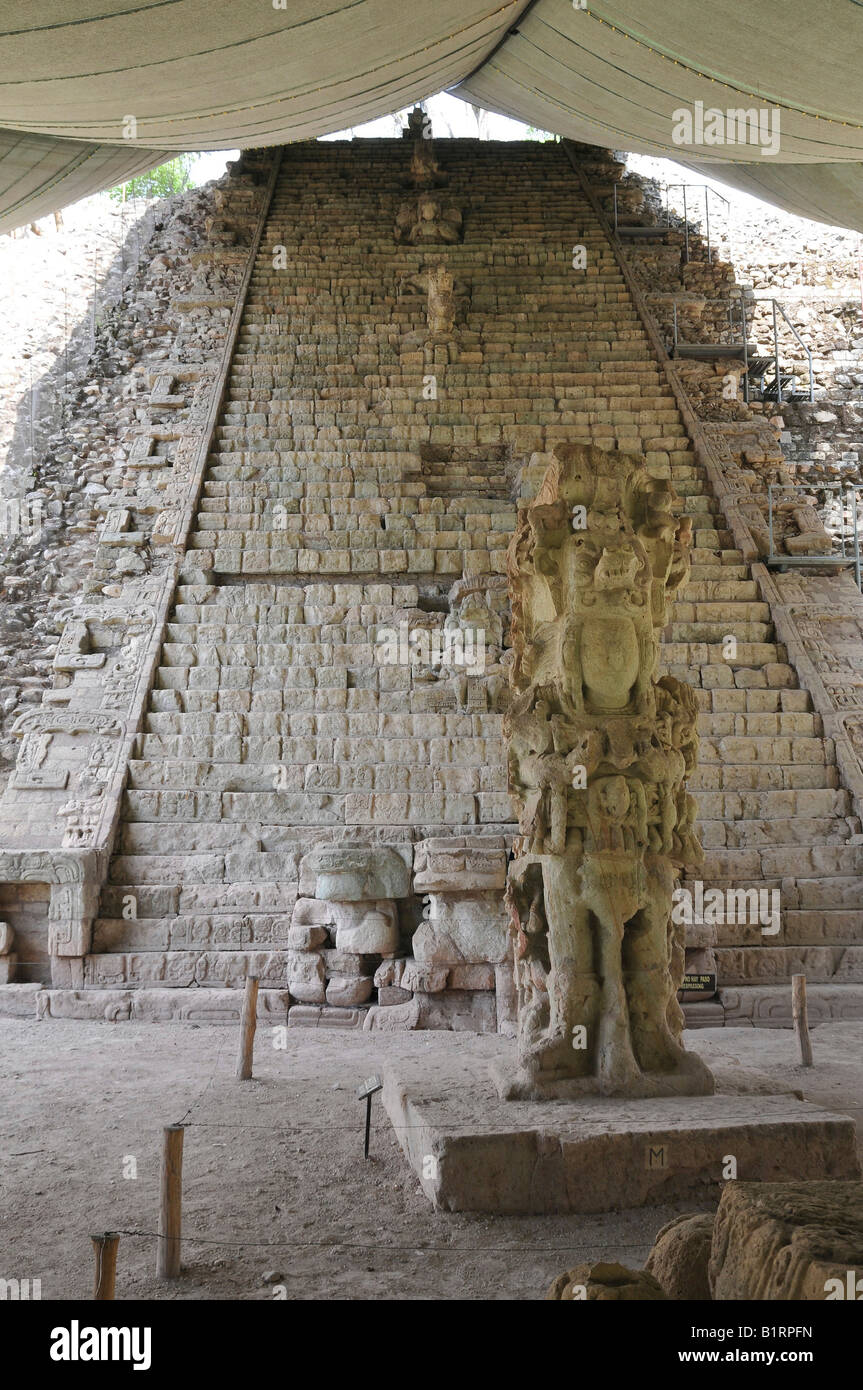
(606, 1283)
(788, 1240)
(680, 1255)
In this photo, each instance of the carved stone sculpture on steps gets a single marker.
(425, 171)
(599, 751)
(447, 301)
(441, 300)
(425, 219)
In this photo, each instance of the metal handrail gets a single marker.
(740, 294)
(707, 191)
(744, 344)
(807, 350)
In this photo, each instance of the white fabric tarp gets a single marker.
(148, 76)
(39, 174)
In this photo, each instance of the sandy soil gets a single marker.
(274, 1178)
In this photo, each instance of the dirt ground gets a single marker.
(276, 1192)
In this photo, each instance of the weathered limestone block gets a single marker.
(606, 1282)
(599, 751)
(157, 1005)
(110, 1005)
(460, 1011)
(348, 991)
(306, 976)
(463, 928)
(366, 928)
(420, 978)
(433, 1005)
(229, 969)
(301, 938)
(204, 1005)
(389, 995)
(769, 1006)
(506, 999)
(395, 1018)
(327, 1016)
(184, 969)
(788, 1240)
(349, 963)
(471, 977)
(389, 972)
(20, 1001)
(348, 874)
(409, 974)
(680, 1255)
(460, 863)
(812, 537)
(310, 912)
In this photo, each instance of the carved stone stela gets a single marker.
(599, 751)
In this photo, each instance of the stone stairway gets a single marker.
(360, 470)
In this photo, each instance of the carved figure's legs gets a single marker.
(651, 984)
(565, 1045)
(610, 884)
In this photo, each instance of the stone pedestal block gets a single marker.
(596, 1154)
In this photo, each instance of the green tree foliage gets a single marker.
(169, 178)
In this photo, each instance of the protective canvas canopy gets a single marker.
(92, 91)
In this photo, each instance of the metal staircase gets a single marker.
(765, 378)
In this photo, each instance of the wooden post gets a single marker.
(170, 1204)
(801, 1021)
(105, 1250)
(247, 1029)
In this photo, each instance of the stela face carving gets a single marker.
(599, 751)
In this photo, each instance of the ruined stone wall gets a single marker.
(100, 309)
(812, 269)
(162, 373)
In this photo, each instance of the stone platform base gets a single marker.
(473, 1151)
(747, 1006)
(202, 1005)
(769, 1006)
